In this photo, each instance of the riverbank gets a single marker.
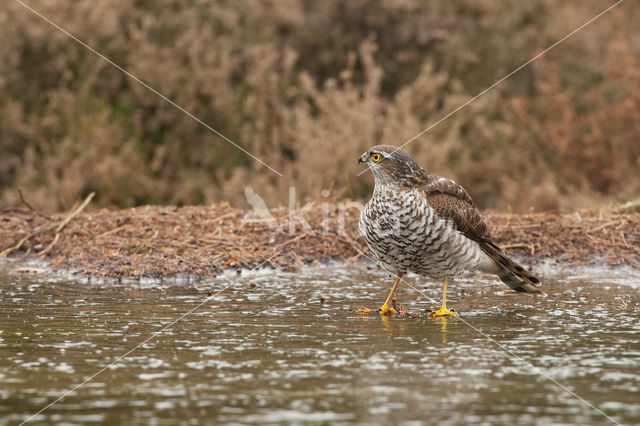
(202, 241)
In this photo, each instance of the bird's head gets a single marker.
(390, 165)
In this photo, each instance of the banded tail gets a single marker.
(512, 274)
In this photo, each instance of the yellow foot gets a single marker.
(442, 312)
(382, 311)
(385, 310)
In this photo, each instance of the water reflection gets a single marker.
(266, 350)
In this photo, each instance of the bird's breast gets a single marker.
(405, 234)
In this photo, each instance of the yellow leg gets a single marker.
(443, 311)
(384, 309)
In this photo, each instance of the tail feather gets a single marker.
(512, 274)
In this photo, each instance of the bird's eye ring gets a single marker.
(376, 157)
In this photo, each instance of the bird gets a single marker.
(419, 222)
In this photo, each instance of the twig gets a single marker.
(633, 262)
(19, 244)
(29, 206)
(629, 207)
(603, 226)
(57, 226)
(113, 230)
(624, 240)
(222, 217)
(289, 241)
(45, 251)
(76, 212)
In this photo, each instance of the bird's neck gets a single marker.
(381, 187)
(401, 182)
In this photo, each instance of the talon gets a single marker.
(364, 311)
(385, 310)
(442, 312)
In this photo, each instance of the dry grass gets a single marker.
(308, 86)
(169, 241)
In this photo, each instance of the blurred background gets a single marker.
(308, 86)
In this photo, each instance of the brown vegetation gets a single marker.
(159, 242)
(307, 86)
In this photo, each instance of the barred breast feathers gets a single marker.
(418, 221)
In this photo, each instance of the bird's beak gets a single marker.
(363, 158)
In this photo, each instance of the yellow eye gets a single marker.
(376, 157)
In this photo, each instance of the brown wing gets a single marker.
(452, 202)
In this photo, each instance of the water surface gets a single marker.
(282, 348)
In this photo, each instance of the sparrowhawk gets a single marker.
(419, 222)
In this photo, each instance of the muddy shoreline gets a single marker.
(203, 241)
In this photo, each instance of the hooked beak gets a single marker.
(363, 158)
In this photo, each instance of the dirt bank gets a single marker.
(166, 241)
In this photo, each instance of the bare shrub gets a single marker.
(307, 87)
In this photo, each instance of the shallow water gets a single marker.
(282, 348)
